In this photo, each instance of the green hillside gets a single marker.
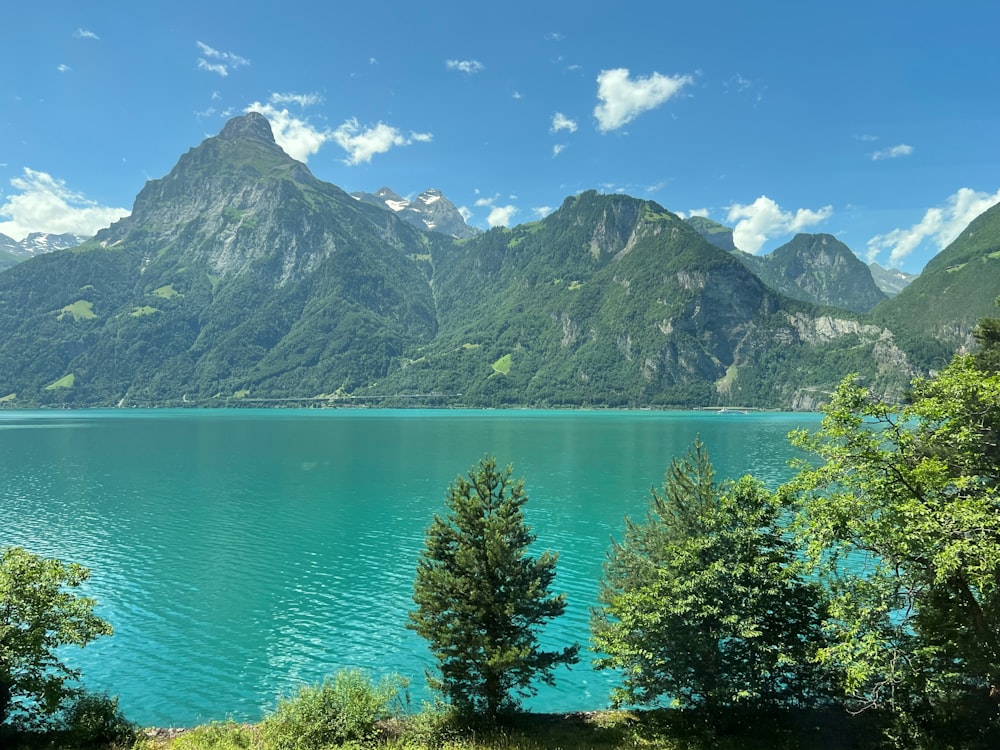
(936, 313)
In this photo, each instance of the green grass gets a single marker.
(79, 310)
(66, 381)
(144, 310)
(166, 292)
(601, 730)
(8, 397)
(502, 365)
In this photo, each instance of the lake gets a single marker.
(241, 553)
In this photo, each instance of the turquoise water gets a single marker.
(241, 553)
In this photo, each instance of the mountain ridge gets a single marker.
(430, 211)
(240, 278)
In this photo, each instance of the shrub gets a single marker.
(95, 719)
(333, 712)
(437, 725)
(226, 735)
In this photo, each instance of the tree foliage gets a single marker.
(482, 599)
(38, 616)
(702, 603)
(902, 520)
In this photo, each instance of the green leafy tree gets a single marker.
(902, 519)
(987, 334)
(482, 599)
(703, 603)
(38, 616)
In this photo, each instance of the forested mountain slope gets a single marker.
(239, 278)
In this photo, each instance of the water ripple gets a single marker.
(241, 554)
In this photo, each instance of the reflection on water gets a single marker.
(241, 553)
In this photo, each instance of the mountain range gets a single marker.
(430, 210)
(13, 251)
(241, 279)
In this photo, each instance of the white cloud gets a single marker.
(303, 100)
(893, 153)
(542, 211)
(296, 136)
(223, 61)
(480, 202)
(763, 219)
(558, 149)
(44, 204)
(703, 212)
(562, 122)
(623, 98)
(465, 66)
(63, 68)
(500, 216)
(940, 225)
(85, 34)
(362, 144)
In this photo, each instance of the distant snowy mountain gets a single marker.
(37, 243)
(429, 211)
(890, 280)
(13, 252)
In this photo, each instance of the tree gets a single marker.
(703, 603)
(902, 520)
(987, 334)
(38, 616)
(482, 600)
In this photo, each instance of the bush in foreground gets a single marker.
(95, 720)
(345, 709)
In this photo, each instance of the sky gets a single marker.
(876, 122)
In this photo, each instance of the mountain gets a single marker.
(615, 301)
(936, 313)
(812, 267)
(712, 231)
(13, 252)
(430, 211)
(240, 278)
(818, 268)
(890, 280)
(237, 272)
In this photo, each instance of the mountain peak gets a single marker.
(429, 211)
(251, 125)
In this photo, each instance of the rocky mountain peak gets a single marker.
(251, 125)
(429, 211)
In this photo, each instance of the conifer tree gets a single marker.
(482, 599)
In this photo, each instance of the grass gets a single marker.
(79, 310)
(502, 365)
(166, 292)
(66, 381)
(144, 310)
(600, 730)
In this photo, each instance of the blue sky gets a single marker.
(877, 122)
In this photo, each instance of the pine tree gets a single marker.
(482, 599)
